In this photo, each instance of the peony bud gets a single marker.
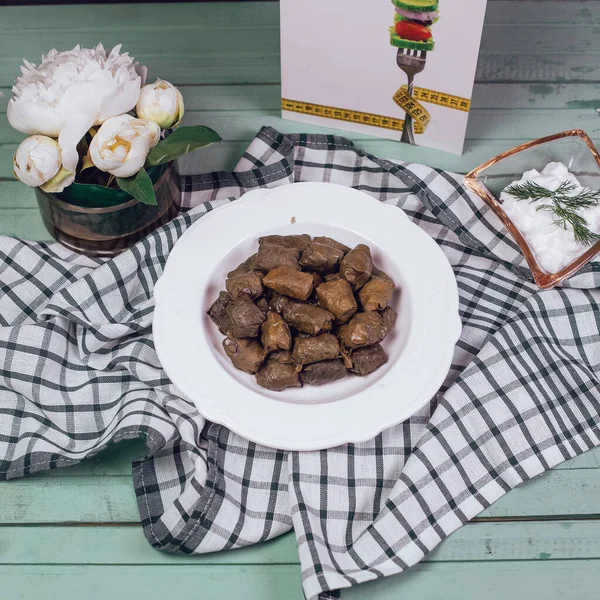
(162, 103)
(37, 160)
(122, 143)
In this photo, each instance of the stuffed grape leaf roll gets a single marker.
(300, 242)
(263, 304)
(337, 297)
(376, 293)
(218, 312)
(282, 356)
(278, 376)
(323, 372)
(388, 317)
(277, 302)
(275, 333)
(315, 349)
(289, 282)
(247, 265)
(246, 318)
(356, 267)
(270, 257)
(327, 241)
(367, 360)
(245, 283)
(364, 329)
(319, 257)
(307, 318)
(246, 355)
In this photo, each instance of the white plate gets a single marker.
(351, 410)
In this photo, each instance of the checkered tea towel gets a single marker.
(78, 370)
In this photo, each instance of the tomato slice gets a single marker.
(412, 31)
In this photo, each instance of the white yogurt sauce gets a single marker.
(553, 246)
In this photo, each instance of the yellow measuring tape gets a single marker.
(342, 114)
(412, 106)
(441, 99)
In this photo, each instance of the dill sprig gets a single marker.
(565, 216)
(564, 205)
(528, 190)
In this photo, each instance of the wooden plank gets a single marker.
(536, 68)
(485, 96)
(475, 153)
(213, 97)
(236, 38)
(576, 579)
(522, 580)
(117, 459)
(18, 210)
(214, 66)
(24, 223)
(196, 41)
(85, 499)
(484, 124)
(119, 544)
(261, 582)
(514, 124)
(527, 12)
(110, 499)
(241, 45)
(256, 66)
(485, 127)
(125, 17)
(15, 195)
(224, 156)
(536, 96)
(587, 460)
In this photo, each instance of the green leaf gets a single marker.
(139, 186)
(180, 142)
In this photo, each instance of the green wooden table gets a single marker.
(74, 534)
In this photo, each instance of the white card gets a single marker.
(339, 67)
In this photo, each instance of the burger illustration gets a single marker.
(411, 34)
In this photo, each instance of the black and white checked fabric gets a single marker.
(78, 370)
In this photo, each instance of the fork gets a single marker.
(412, 62)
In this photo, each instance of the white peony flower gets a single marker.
(37, 160)
(71, 91)
(122, 144)
(162, 103)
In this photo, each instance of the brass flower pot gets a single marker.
(105, 221)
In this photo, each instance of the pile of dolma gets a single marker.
(305, 311)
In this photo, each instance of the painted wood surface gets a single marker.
(125, 544)
(74, 533)
(110, 498)
(522, 580)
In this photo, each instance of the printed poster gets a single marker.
(399, 69)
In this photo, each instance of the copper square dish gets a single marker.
(573, 148)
